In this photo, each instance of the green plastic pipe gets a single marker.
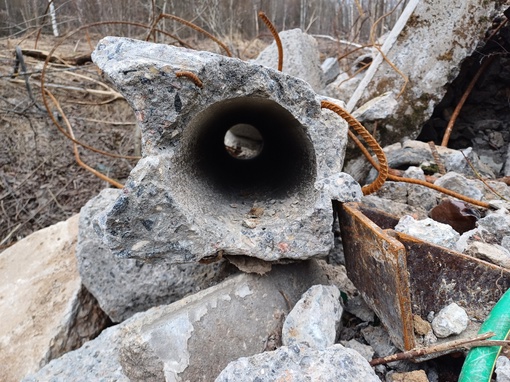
(480, 361)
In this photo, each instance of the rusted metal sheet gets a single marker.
(376, 264)
(440, 276)
(400, 276)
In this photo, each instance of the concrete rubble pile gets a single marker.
(219, 259)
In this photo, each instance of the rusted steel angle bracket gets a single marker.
(400, 276)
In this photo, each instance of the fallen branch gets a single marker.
(43, 55)
(75, 147)
(441, 349)
(78, 89)
(20, 61)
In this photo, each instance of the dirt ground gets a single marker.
(40, 181)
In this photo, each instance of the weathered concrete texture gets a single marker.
(330, 69)
(194, 338)
(416, 153)
(45, 310)
(188, 198)
(494, 253)
(436, 39)
(301, 57)
(428, 230)
(299, 363)
(502, 369)
(378, 108)
(315, 318)
(124, 287)
(458, 183)
(450, 320)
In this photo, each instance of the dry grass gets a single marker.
(40, 183)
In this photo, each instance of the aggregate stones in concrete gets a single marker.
(315, 318)
(124, 287)
(189, 198)
(450, 320)
(194, 338)
(299, 363)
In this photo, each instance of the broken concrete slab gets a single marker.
(188, 198)
(46, 312)
(428, 230)
(124, 287)
(194, 338)
(436, 39)
(301, 57)
(315, 318)
(297, 363)
(380, 107)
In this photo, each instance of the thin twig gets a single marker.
(437, 158)
(75, 147)
(191, 25)
(479, 177)
(441, 349)
(21, 61)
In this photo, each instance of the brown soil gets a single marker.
(40, 181)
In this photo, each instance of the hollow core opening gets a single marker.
(281, 158)
(243, 141)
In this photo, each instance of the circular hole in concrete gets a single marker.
(243, 141)
(212, 182)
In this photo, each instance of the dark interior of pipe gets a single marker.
(285, 164)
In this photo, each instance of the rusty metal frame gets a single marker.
(400, 276)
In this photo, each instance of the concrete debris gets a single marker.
(343, 86)
(428, 230)
(194, 338)
(458, 183)
(330, 69)
(416, 153)
(450, 320)
(365, 350)
(502, 369)
(493, 253)
(124, 287)
(165, 210)
(497, 223)
(46, 312)
(377, 337)
(380, 107)
(428, 63)
(419, 196)
(315, 318)
(301, 57)
(299, 363)
(358, 307)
